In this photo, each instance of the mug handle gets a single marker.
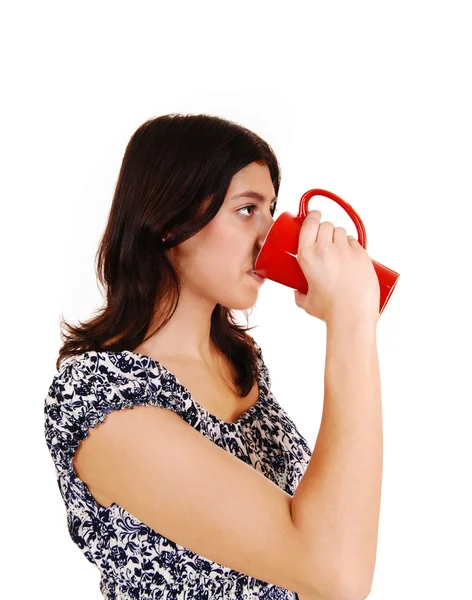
(303, 212)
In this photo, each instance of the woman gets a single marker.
(182, 475)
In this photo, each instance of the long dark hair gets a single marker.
(174, 177)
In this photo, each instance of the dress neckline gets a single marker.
(157, 365)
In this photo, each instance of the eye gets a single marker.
(273, 209)
(248, 206)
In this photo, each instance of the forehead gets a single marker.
(250, 178)
(254, 177)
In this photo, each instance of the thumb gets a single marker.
(299, 298)
(309, 230)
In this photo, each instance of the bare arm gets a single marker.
(337, 503)
(320, 542)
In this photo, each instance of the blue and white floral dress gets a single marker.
(135, 561)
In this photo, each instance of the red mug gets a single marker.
(277, 259)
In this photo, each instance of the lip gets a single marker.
(256, 277)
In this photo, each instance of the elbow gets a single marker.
(353, 582)
(343, 583)
(350, 591)
(340, 591)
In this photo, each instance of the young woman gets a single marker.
(181, 474)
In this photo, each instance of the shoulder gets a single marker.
(88, 386)
(96, 372)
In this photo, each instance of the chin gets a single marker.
(240, 303)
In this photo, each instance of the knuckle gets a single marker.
(324, 248)
(302, 255)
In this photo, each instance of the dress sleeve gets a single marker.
(87, 388)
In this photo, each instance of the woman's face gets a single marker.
(214, 263)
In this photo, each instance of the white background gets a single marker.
(371, 100)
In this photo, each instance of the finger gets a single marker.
(353, 242)
(309, 230)
(325, 233)
(340, 236)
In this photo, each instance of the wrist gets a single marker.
(353, 324)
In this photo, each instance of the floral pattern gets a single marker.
(135, 561)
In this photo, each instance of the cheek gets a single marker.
(220, 262)
(223, 243)
(225, 260)
(219, 254)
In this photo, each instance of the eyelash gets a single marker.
(273, 211)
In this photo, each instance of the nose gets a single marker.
(266, 228)
(262, 235)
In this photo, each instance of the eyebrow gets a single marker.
(253, 195)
